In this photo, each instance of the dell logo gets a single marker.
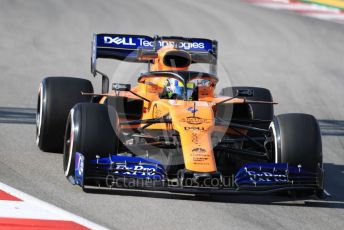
(119, 41)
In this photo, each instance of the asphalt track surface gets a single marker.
(301, 60)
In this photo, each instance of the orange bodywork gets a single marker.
(193, 120)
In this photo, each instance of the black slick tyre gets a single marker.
(297, 141)
(91, 131)
(56, 96)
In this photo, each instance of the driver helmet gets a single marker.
(174, 89)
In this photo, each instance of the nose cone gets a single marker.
(194, 122)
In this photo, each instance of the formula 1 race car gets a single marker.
(171, 132)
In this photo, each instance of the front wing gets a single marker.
(148, 174)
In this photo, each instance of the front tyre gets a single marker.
(91, 131)
(297, 141)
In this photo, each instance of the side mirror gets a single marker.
(121, 87)
(244, 93)
(146, 55)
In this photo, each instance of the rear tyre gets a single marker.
(259, 111)
(297, 141)
(56, 96)
(91, 130)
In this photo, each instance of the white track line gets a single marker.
(33, 208)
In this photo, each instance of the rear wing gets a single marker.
(128, 48)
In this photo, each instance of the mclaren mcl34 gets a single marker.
(171, 131)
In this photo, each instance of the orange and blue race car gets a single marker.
(171, 131)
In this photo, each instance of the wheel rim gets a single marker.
(39, 112)
(69, 142)
(66, 147)
(275, 140)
